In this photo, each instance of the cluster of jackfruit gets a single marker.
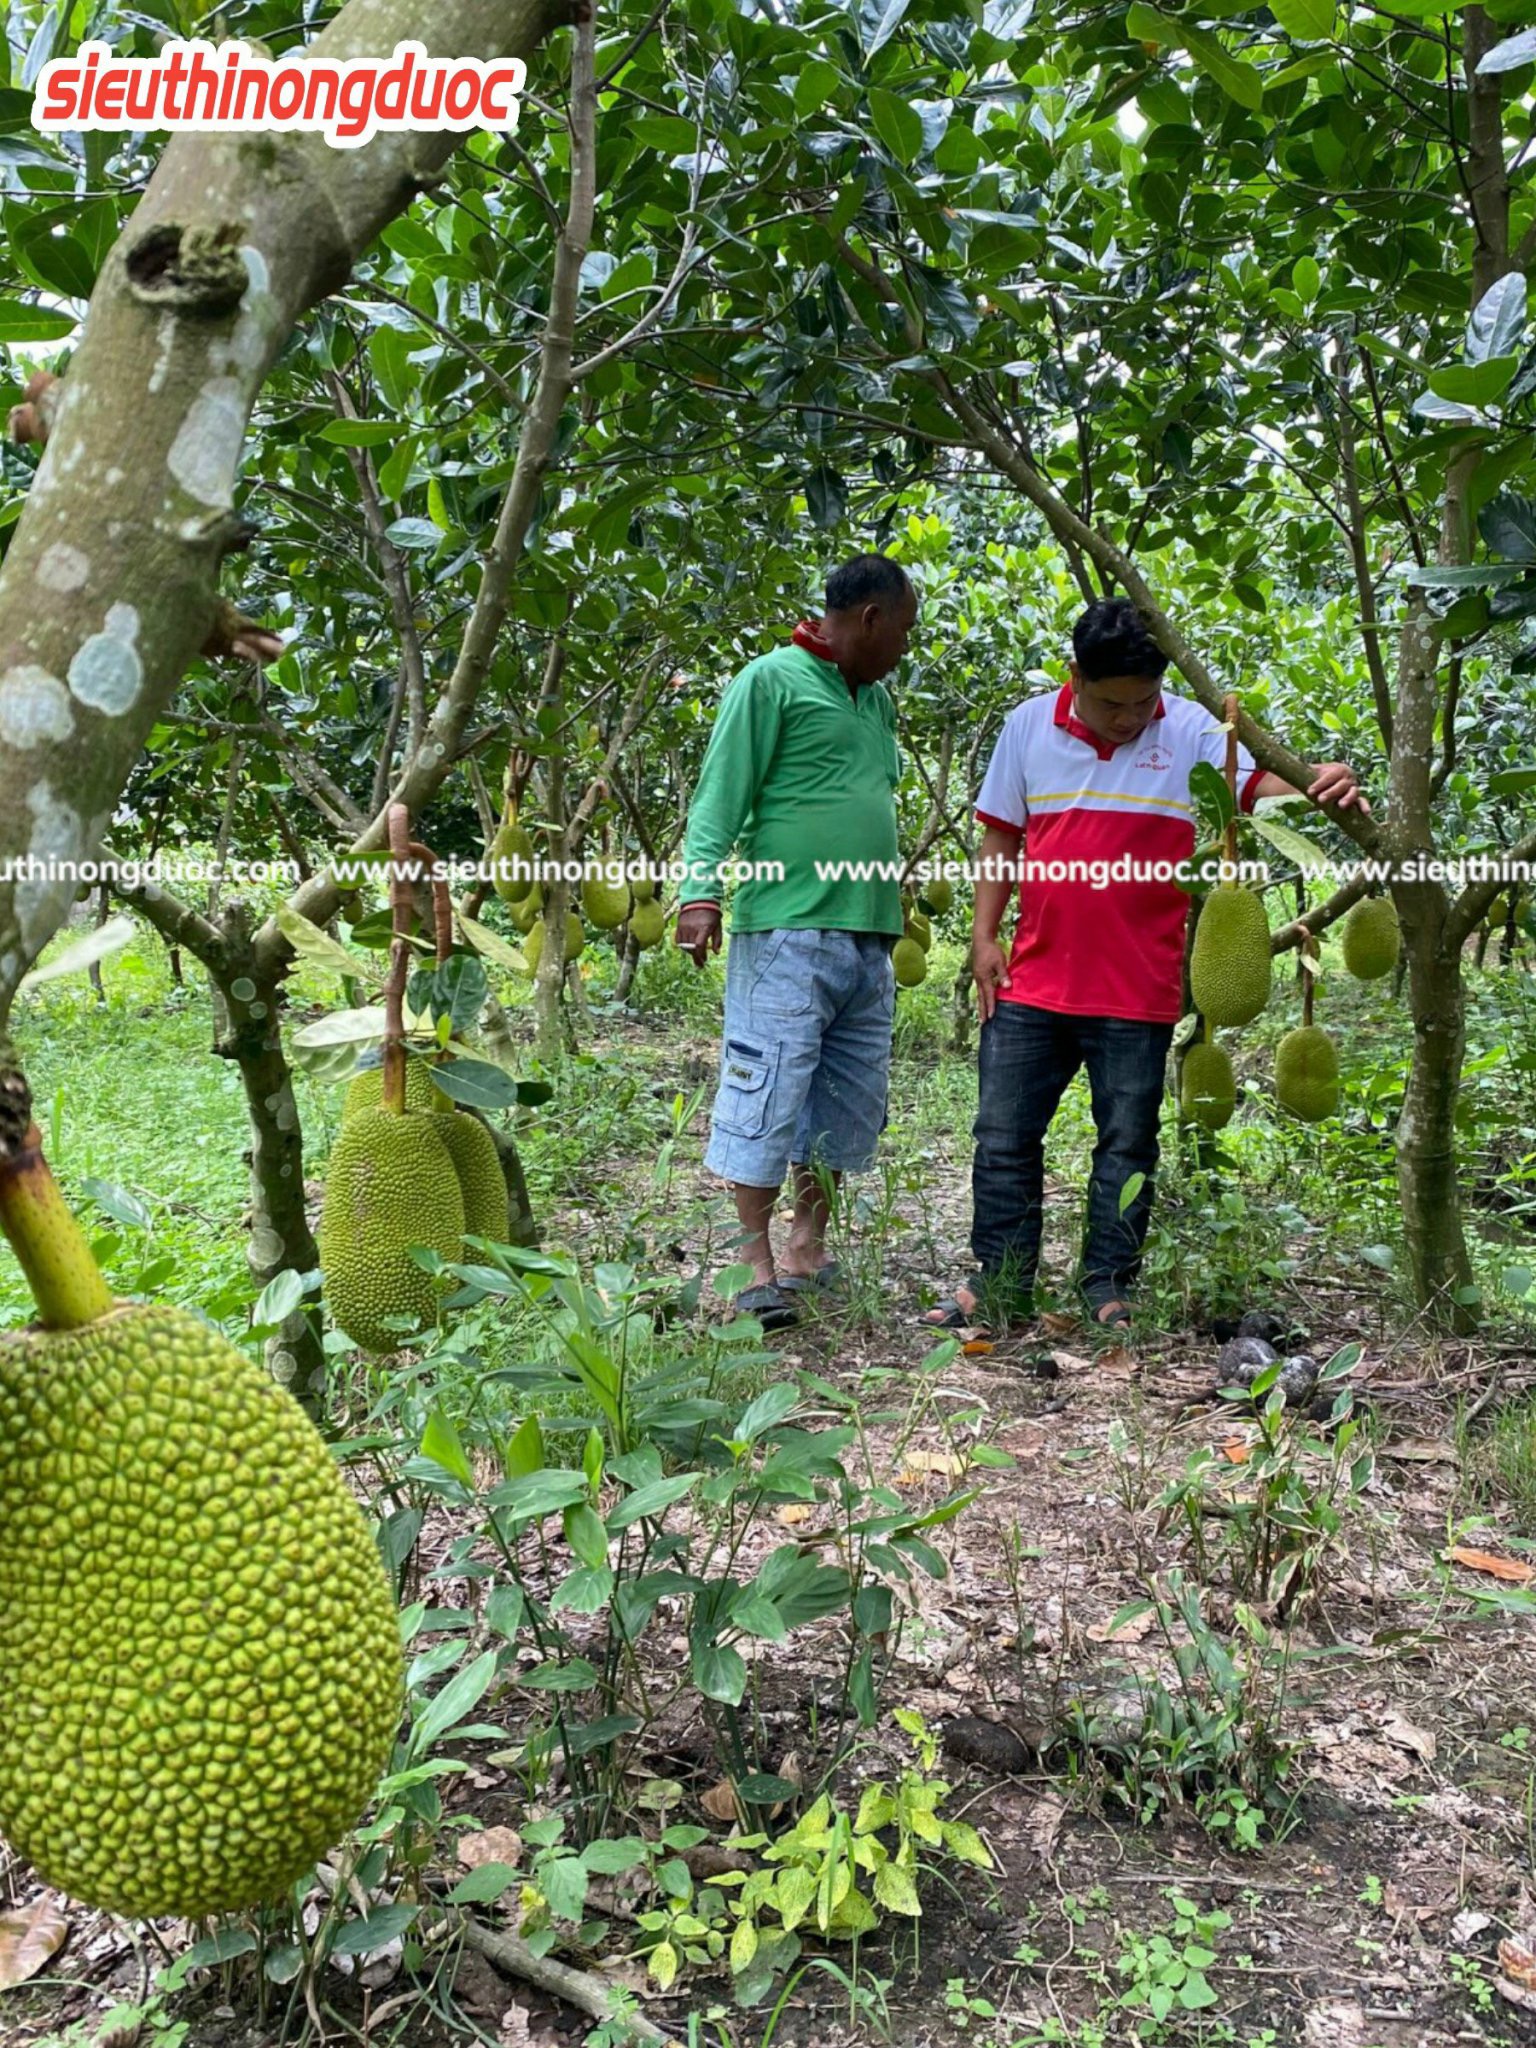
(201, 1657)
(426, 1178)
(909, 956)
(606, 903)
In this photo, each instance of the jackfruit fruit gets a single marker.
(533, 945)
(366, 1090)
(525, 915)
(1372, 938)
(512, 844)
(200, 1650)
(1229, 962)
(1207, 1086)
(648, 923)
(643, 891)
(605, 905)
(390, 1184)
(937, 894)
(920, 929)
(478, 1166)
(1307, 1073)
(910, 963)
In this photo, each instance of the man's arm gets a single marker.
(1334, 782)
(998, 861)
(737, 758)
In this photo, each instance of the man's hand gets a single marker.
(1335, 783)
(989, 966)
(698, 930)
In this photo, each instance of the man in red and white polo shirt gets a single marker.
(1097, 774)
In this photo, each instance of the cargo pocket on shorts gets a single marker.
(746, 1088)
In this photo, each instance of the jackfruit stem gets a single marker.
(392, 1088)
(65, 1280)
(1309, 979)
(1229, 713)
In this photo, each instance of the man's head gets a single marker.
(871, 610)
(1118, 671)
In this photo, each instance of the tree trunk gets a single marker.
(1428, 1188)
(247, 1030)
(628, 962)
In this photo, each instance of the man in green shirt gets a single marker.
(800, 779)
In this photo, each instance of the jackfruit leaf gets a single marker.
(1209, 786)
(375, 1930)
(1475, 384)
(117, 1203)
(316, 947)
(477, 1084)
(1508, 525)
(877, 21)
(343, 1027)
(1296, 846)
(1497, 321)
(458, 1698)
(1512, 782)
(1308, 21)
(279, 1298)
(28, 1938)
(1511, 55)
(98, 945)
(455, 990)
(491, 944)
(441, 1442)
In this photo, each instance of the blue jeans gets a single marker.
(806, 1057)
(1027, 1057)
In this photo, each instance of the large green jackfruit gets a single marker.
(1307, 1073)
(1372, 938)
(525, 915)
(920, 929)
(937, 894)
(604, 904)
(1229, 964)
(643, 889)
(648, 923)
(478, 1165)
(511, 848)
(1207, 1087)
(389, 1184)
(575, 940)
(200, 1671)
(366, 1090)
(910, 963)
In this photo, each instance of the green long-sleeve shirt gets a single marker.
(799, 770)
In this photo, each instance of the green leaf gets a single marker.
(377, 1930)
(574, 1675)
(1513, 54)
(441, 1442)
(587, 1590)
(651, 1500)
(1508, 525)
(771, 1408)
(1145, 24)
(895, 1890)
(1517, 1280)
(1306, 277)
(484, 1884)
(1478, 383)
(283, 1293)
(360, 433)
(1209, 786)
(563, 1881)
(1512, 782)
(540, 1493)
(316, 946)
(478, 1084)
(22, 321)
(719, 1672)
(1296, 846)
(412, 533)
(585, 1534)
(1307, 21)
(608, 1858)
(1236, 77)
(827, 496)
(897, 123)
(1497, 322)
(876, 22)
(459, 1697)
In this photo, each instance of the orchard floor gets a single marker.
(1409, 1690)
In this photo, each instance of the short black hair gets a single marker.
(1110, 639)
(867, 579)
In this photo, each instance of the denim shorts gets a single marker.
(806, 1058)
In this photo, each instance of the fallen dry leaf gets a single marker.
(796, 1512)
(28, 1938)
(1420, 1450)
(1044, 1825)
(1118, 1363)
(1467, 1926)
(917, 1465)
(1518, 1962)
(490, 1845)
(719, 1802)
(1236, 1452)
(1497, 1567)
(1058, 1325)
(978, 1347)
(1131, 1631)
(1068, 1361)
(1339, 2024)
(1515, 1994)
(1404, 1735)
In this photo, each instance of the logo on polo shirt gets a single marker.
(1157, 757)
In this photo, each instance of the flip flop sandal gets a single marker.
(1120, 1319)
(949, 1315)
(772, 1307)
(824, 1281)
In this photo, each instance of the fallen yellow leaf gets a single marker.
(28, 1939)
(1496, 1567)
